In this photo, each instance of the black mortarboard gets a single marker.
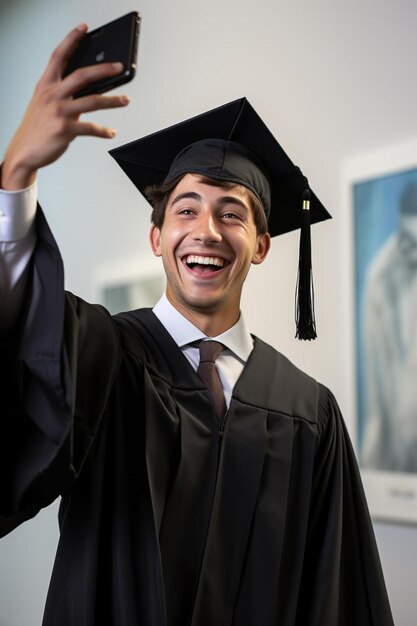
(232, 143)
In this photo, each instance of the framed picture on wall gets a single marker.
(129, 284)
(380, 221)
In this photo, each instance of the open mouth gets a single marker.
(205, 264)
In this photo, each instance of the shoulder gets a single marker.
(280, 366)
(283, 387)
(279, 385)
(329, 415)
(137, 329)
(144, 336)
(93, 320)
(89, 332)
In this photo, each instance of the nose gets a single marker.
(206, 229)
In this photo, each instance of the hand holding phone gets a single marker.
(52, 118)
(116, 41)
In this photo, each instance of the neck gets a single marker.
(210, 322)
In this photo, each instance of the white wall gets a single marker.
(331, 78)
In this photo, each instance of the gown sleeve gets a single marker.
(48, 418)
(342, 582)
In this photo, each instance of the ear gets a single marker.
(263, 245)
(155, 240)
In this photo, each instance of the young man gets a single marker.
(180, 505)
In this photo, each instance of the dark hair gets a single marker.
(158, 196)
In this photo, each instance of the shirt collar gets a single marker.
(237, 338)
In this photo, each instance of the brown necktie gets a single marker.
(209, 351)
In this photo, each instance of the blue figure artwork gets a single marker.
(385, 216)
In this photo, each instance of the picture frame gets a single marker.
(129, 284)
(379, 278)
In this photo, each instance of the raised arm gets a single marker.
(51, 122)
(51, 343)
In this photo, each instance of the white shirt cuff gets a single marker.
(17, 213)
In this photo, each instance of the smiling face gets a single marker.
(208, 242)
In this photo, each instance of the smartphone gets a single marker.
(115, 41)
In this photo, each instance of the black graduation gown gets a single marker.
(167, 518)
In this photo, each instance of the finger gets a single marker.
(87, 104)
(84, 76)
(59, 57)
(78, 129)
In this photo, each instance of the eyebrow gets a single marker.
(187, 194)
(233, 200)
(221, 201)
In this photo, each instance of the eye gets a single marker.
(230, 215)
(185, 212)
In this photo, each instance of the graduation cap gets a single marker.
(232, 143)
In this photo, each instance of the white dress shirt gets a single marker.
(230, 362)
(17, 242)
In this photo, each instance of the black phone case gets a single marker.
(116, 41)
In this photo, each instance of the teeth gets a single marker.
(205, 260)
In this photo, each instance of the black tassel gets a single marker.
(304, 302)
